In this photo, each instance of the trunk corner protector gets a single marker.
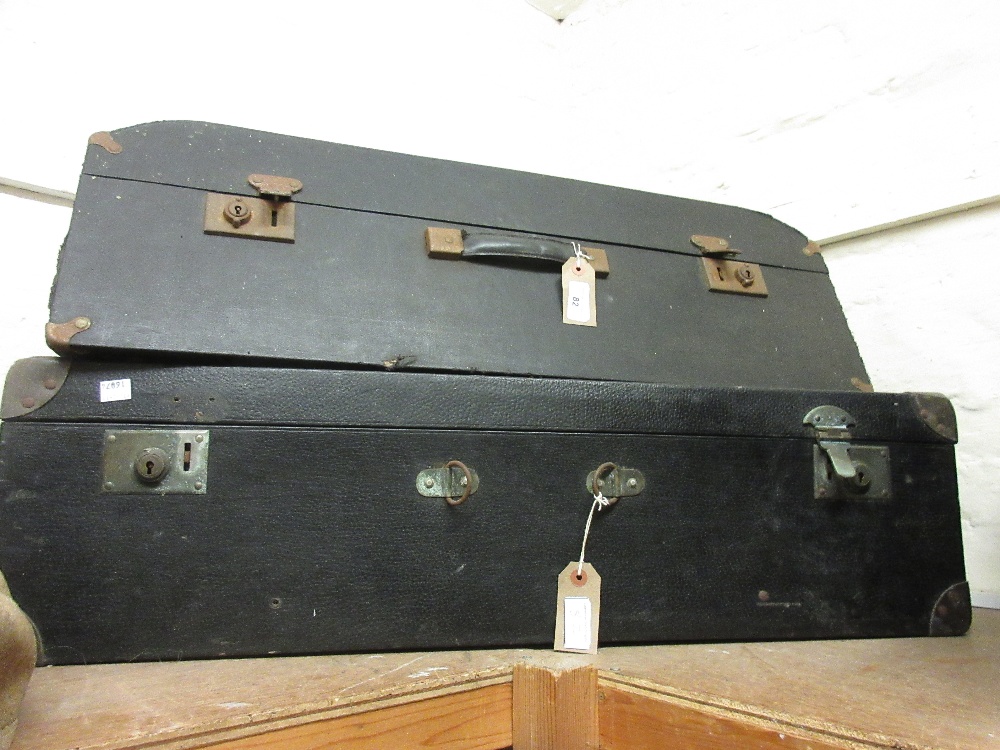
(952, 612)
(937, 412)
(812, 248)
(106, 141)
(58, 335)
(32, 383)
(862, 385)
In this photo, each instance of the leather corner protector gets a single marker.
(937, 413)
(862, 385)
(444, 242)
(105, 141)
(32, 383)
(952, 613)
(812, 248)
(58, 335)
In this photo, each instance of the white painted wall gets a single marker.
(831, 116)
(922, 307)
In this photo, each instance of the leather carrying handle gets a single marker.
(457, 243)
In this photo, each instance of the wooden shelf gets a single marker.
(919, 693)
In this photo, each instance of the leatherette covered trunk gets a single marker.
(145, 269)
(300, 525)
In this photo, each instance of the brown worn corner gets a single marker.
(58, 335)
(105, 140)
(31, 383)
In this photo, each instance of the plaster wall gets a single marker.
(832, 117)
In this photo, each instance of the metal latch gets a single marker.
(454, 482)
(725, 274)
(155, 462)
(841, 470)
(269, 217)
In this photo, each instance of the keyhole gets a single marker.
(719, 271)
(149, 468)
(274, 218)
(237, 209)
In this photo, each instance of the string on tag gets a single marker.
(580, 255)
(600, 502)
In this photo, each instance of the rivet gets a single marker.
(82, 323)
(109, 485)
(28, 402)
(111, 438)
(821, 492)
(198, 485)
(600, 482)
(50, 384)
(883, 453)
(885, 493)
(763, 595)
(199, 438)
(464, 481)
(428, 482)
(633, 482)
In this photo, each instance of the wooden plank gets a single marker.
(554, 710)
(534, 708)
(925, 692)
(177, 705)
(922, 692)
(472, 720)
(631, 718)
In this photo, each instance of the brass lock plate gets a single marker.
(155, 462)
(257, 218)
(872, 480)
(734, 276)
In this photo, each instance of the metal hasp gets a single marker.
(155, 462)
(616, 482)
(842, 471)
(454, 482)
(725, 274)
(269, 217)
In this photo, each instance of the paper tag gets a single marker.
(578, 609)
(579, 293)
(116, 390)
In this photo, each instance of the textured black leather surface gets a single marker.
(312, 536)
(357, 287)
(218, 158)
(270, 396)
(316, 540)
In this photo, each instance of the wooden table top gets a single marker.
(912, 693)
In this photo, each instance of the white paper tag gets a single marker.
(579, 286)
(578, 304)
(578, 609)
(116, 390)
(577, 623)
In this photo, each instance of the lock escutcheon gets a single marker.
(151, 465)
(237, 212)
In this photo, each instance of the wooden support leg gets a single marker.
(555, 710)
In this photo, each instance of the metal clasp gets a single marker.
(842, 470)
(269, 217)
(725, 274)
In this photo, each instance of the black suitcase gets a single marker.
(203, 240)
(155, 511)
